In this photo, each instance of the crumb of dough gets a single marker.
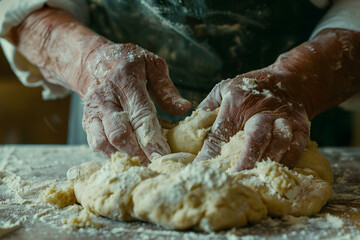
(83, 220)
(59, 196)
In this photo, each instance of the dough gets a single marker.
(105, 189)
(82, 220)
(59, 196)
(301, 191)
(196, 196)
(285, 191)
(177, 194)
(189, 135)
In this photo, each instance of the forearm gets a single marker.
(322, 72)
(56, 42)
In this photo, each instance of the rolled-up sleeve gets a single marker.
(12, 13)
(344, 14)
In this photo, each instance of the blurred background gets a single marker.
(26, 119)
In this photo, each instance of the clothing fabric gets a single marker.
(12, 13)
(202, 41)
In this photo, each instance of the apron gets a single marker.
(202, 41)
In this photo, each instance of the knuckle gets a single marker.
(119, 137)
(214, 142)
(96, 143)
(142, 115)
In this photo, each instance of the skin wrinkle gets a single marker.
(129, 92)
(72, 55)
(249, 105)
(308, 85)
(281, 136)
(126, 148)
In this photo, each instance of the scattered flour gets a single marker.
(28, 171)
(7, 227)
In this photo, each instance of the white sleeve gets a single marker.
(12, 13)
(344, 14)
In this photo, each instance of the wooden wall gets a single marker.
(24, 117)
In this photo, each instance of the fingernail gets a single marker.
(181, 102)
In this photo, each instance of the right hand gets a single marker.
(117, 83)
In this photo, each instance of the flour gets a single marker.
(83, 220)
(248, 84)
(209, 178)
(335, 222)
(7, 227)
(42, 166)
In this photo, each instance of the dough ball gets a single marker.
(189, 135)
(284, 191)
(198, 196)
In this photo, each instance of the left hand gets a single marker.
(273, 105)
(275, 123)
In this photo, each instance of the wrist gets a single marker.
(54, 41)
(323, 72)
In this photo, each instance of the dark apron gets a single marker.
(203, 41)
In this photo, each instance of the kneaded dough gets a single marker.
(301, 191)
(196, 196)
(189, 135)
(285, 191)
(176, 193)
(105, 189)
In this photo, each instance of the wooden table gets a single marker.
(26, 170)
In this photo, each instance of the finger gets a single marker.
(280, 141)
(297, 146)
(162, 89)
(213, 99)
(120, 133)
(142, 113)
(96, 136)
(257, 132)
(223, 128)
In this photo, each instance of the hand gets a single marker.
(114, 80)
(275, 123)
(118, 111)
(274, 105)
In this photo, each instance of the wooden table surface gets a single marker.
(26, 170)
